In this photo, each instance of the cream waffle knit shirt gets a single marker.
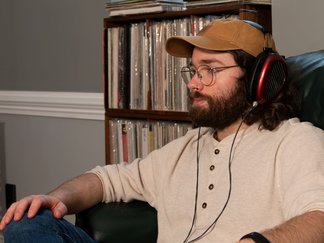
(276, 175)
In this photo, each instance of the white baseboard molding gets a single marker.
(79, 105)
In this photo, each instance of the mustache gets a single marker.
(195, 94)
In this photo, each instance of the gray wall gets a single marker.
(42, 152)
(51, 45)
(298, 25)
(2, 171)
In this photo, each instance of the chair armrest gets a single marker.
(120, 222)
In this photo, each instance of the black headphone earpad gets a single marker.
(268, 77)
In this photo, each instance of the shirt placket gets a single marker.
(213, 181)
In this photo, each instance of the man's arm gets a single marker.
(72, 196)
(80, 192)
(305, 228)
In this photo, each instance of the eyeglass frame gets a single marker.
(214, 70)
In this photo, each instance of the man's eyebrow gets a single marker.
(208, 61)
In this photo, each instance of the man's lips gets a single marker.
(197, 98)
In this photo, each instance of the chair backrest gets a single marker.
(307, 72)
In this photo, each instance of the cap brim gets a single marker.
(182, 46)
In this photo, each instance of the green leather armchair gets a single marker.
(136, 221)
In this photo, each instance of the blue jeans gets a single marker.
(44, 228)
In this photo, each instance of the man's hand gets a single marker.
(72, 196)
(32, 204)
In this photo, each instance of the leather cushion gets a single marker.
(307, 72)
(120, 222)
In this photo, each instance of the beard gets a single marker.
(221, 111)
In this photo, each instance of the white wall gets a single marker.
(298, 26)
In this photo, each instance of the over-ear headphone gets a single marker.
(268, 74)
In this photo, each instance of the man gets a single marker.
(249, 172)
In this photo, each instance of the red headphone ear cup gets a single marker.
(268, 77)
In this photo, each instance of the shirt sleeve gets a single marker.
(125, 182)
(301, 171)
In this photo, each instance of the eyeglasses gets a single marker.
(204, 73)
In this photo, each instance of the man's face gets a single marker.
(221, 103)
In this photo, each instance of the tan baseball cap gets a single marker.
(222, 35)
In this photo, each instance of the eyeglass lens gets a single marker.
(204, 74)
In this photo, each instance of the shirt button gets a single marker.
(216, 151)
(211, 187)
(212, 167)
(204, 205)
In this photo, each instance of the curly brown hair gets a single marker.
(285, 106)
